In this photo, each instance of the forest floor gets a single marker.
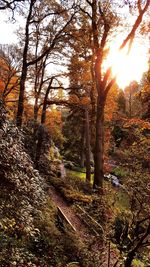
(94, 243)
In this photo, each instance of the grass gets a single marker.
(78, 174)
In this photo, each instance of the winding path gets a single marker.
(95, 243)
(80, 228)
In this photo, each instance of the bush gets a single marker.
(21, 196)
(68, 192)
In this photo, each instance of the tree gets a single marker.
(103, 21)
(24, 65)
(81, 84)
(9, 76)
(131, 97)
(121, 102)
(53, 84)
(54, 126)
(58, 17)
(144, 94)
(74, 134)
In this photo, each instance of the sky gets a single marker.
(127, 68)
(7, 30)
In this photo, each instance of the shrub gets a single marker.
(21, 195)
(68, 192)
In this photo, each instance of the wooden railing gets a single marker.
(93, 225)
(63, 221)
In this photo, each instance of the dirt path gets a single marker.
(77, 224)
(94, 243)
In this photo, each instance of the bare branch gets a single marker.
(50, 48)
(45, 16)
(136, 25)
(140, 243)
(139, 6)
(106, 27)
(111, 83)
(106, 76)
(89, 2)
(85, 12)
(9, 4)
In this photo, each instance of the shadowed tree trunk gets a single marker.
(82, 157)
(36, 108)
(38, 88)
(100, 87)
(93, 106)
(87, 148)
(24, 68)
(99, 146)
(43, 116)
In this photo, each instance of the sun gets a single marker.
(128, 67)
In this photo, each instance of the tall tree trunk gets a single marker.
(36, 106)
(43, 116)
(21, 95)
(35, 110)
(36, 82)
(24, 68)
(87, 148)
(93, 105)
(38, 86)
(82, 157)
(99, 146)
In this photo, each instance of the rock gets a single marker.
(115, 183)
(107, 177)
(113, 179)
